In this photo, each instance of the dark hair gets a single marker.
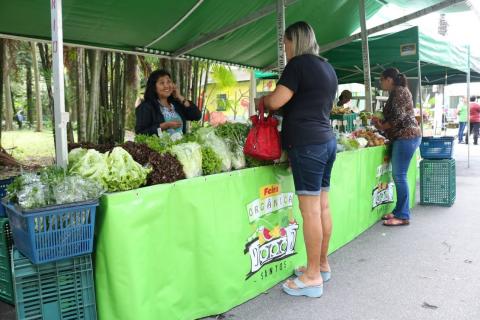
(151, 90)
(345, 95)
(473, 99)
(399, 79)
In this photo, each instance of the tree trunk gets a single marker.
(47, 74)
(118, 117)
(104, 108)
(131, 90)
(38, 102)
(81, 105)
(92, 123)
(8, 92)
(29, 84)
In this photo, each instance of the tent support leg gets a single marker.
(468, 106)
(61, 117)
(280, 31)
(420, 94)
(253, 93)
(365, 58)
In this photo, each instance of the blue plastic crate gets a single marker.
(437, 147)
(3, 192)
(57, 290)
(53, 233)
(6, 287)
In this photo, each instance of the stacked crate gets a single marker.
(437, 171)
(51, 264)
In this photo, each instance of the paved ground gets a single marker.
(428, 270)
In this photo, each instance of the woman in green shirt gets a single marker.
(462, 119)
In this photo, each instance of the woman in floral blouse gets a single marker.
(401, 128)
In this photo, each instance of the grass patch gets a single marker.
(29, 147)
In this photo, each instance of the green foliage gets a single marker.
(223, 77)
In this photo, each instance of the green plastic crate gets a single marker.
(345, 122)
(58, 290)
(6, 286)
(437, 182)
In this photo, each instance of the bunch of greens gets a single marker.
(252, 162)
(344, 143)
(116, 170)
(160, 144)
(211, 163)
(89, 164)
(165, 167)
(51, 186)
(123, 172)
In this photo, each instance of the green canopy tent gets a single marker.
(440, 60)
(236, 32)
(433, 59)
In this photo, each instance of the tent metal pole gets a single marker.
(61, 117)
(365, 57)
(179, 22)
(420, 94)
(253, 93)
(439, 6)
(282, 61)
(468, 106)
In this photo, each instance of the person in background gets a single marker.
(19, 117)
(462, 118)
(474, 119)
(164, 107)
(344, 98)
(401, 128)
(306, 92)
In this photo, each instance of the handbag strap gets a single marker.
(261, 111)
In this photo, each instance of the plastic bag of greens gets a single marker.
(123, 172)
(33, 195)
(91, 165)
(238, 159)
(75, 155)
(190, 156)
(209, 138)
(76, 189)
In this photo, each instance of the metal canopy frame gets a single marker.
(393, 23)
(367, 81)
(179, 22)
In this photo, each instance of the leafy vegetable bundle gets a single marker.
(51, 186)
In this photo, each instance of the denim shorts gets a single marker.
(312, 167)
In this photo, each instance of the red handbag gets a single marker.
(263, 140)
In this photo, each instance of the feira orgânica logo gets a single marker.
(274, 228)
